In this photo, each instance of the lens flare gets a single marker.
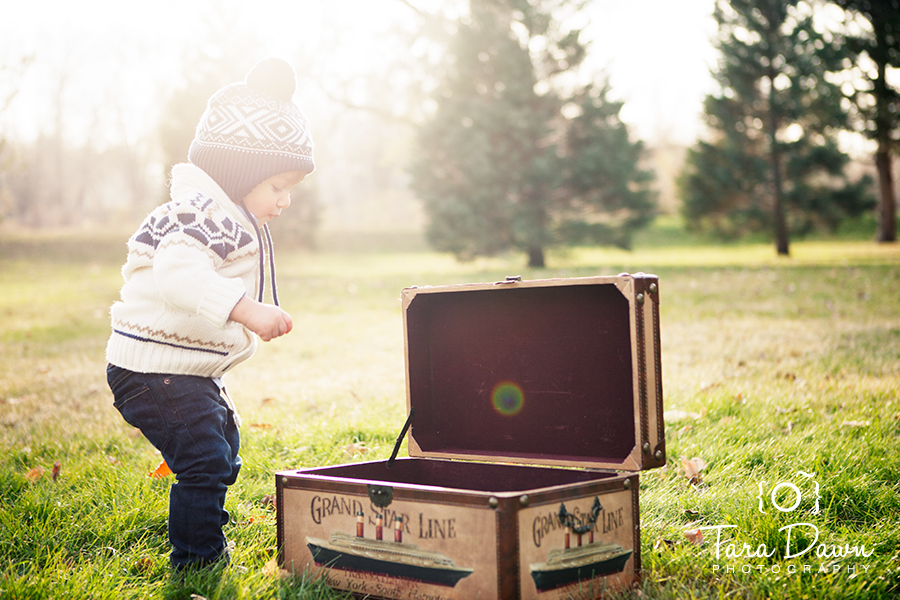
(507, 398)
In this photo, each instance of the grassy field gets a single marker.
(770, 367)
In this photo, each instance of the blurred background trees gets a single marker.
(518, 154)
(871, 51)
(479, 124)
(771, 159)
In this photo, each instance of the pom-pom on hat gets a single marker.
(252, 130)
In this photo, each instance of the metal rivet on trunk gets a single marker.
(640, 298)
(493, 502)
(659, 455)
(653, 288)
(646, 447)
(627, 484)
(523, 499)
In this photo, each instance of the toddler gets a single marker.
(192, 302)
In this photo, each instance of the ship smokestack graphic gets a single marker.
(397, 559)
(568, 565)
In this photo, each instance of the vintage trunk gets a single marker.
(533, 406)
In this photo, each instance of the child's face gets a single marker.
(269, 198)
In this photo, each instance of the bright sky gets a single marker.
(656, 53)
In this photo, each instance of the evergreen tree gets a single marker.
(877, 102)
(606, 194)
(509, 161)
(771, 160)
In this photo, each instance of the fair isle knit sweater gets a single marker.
(188, 265)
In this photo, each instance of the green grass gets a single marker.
(778, 365)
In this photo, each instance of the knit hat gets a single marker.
(252, 130)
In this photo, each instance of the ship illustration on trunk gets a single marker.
(382, 557)
(582, 562)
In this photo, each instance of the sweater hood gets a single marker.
(188, 178)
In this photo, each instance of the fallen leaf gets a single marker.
(162, 470)
(355, 448)
(143, 565)
(855, 424)
(692, 469)
(663, 543)
(197, 597)
(56, 467)
(261, 425)
(694, 536)
(34, 474)
(268, 501)
(272, 569)
(267, 400)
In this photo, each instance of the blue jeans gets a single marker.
(187, 420)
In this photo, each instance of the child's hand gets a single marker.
(265, 320)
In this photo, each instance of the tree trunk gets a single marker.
(781, 231)
(887, 208)
(536, 258)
